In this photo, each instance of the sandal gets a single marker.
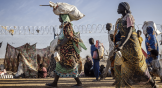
(49, 84)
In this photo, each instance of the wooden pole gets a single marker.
(44, 5)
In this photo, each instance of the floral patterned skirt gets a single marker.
(64, 72)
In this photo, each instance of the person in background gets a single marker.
(155, 71)
(111, 48)
(139, 32)
(102, 67)
(87, 66)
(95, 61)
(42, 72)
(151, 44)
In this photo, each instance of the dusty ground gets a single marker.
(62, 83)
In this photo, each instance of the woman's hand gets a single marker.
(117, 49)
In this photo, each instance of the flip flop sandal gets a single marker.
(49, 84)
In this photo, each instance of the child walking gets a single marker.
(155, 71)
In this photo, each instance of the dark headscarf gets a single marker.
(126, 6)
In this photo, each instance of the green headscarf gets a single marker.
(65, 17)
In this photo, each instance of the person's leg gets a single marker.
(54, 84)
(96, 68)
(151, 80)
(79, 83)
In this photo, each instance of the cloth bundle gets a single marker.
(64, 8)
(150, 24)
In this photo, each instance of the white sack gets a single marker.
(151, 24)
(65, 8)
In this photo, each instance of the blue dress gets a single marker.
(151, 43)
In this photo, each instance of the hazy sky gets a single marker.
(29, 13)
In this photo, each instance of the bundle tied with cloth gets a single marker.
(65, 8)
(68, 13)
(150, 24)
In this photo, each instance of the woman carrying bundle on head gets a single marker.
(67, 47)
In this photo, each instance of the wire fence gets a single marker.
(43, 35)
(50, 30)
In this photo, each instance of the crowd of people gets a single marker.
(126, 57)
(127, 61)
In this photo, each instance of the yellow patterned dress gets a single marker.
(132, 62)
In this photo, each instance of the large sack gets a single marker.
(64, 8)
(100, 48)
(151, 24)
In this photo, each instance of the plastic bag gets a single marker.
(100, 48)
(57, 56)
(53, 44)
(65, 8)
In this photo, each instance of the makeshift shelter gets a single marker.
(43, 56)
(26, 54)
(10, 61)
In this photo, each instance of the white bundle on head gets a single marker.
(65, 8)
(151, 24)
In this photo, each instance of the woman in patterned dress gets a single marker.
(132, 63)
(69, 56)
(151, 44)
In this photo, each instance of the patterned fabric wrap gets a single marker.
(132, 62)
(44, 57)
(64, 72)
(67, 50)
(52, 65)
(68, 56)
(151, 43)
(28, 57)
(10, 61)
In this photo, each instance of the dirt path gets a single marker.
(62, 83)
